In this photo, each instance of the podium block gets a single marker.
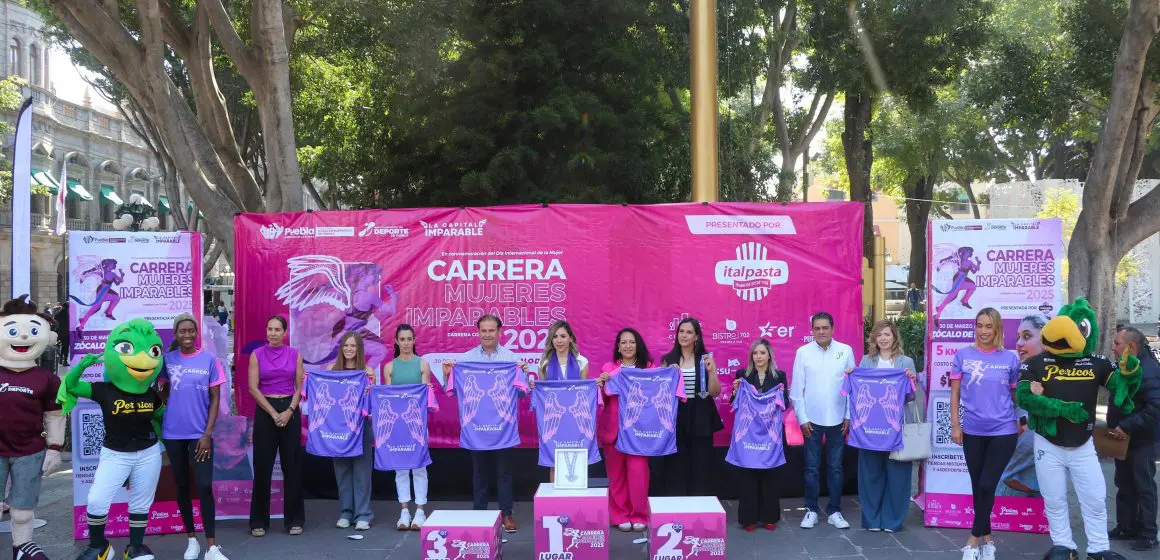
(686, 527)
(571, 524)
(473, 535)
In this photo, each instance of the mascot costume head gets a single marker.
(1070, 363)
(25, 334)
(132, 360)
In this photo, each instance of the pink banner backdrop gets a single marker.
(745, 270)
(1015, 267)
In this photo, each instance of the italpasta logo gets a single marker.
(751, 273)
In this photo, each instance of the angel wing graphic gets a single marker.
(472, 394)
(414, 419)
(501, 396)
(553, 412)
(741, 423)
(863, 404)
(384, 422)
(320, 403)
(635, 405)
(349, 404)
(893, 409)
(315, 279)
(767, 412)
(581, 411)
(663, 401)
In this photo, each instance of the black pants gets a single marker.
(759, 498)
(688, 472)
(1136, 491)
(286, 443)
(488, 467)
(183, 460)
(986, 457)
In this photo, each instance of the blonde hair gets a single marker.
(997, 320)
(360, 360)
(549, 349)
(895, 349)
(768, 348)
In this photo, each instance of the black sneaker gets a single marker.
(91, 553)
(138, 553)
(1105, 555)
(1061, 553)
(1145, 543)
(28, 551)
(1121, 534)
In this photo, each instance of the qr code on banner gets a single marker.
(942, 422)
(92, 434)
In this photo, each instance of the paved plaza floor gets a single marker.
(321, 540)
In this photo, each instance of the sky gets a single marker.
(69, 84)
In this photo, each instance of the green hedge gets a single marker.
(912, 329)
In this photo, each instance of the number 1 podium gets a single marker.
(571, 524)
(473, 535)
(686, 527)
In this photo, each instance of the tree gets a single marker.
(1065, 204)
(1110, 224)
(868, 48)
(154, 47)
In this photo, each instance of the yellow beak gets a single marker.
(140, 365)
(1062, 336)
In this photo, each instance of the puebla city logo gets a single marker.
(751, 274)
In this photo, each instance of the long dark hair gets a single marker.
(674, 355)
(405, 327)
(643, 358)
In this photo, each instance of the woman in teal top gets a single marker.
(408, 369)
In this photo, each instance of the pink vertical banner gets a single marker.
(747, 271)
(1015, 267)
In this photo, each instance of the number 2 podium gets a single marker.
(571, 524)
(686, 527)
(473, 535)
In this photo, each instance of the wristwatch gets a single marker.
(54, 447)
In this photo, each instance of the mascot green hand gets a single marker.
(1042, 411)
(132, 359)
(1124, 383)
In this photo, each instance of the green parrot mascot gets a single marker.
(28, 408)
(1058, 389)
(131, 409)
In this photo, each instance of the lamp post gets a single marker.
(703, 86)
(136, 215)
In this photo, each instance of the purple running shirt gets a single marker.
(399, 417)
(336, 403)
(876, 397)
(189, 378)
(757, 442)
(648, 409)
(987, 378)
(488, 395)
(566, 418)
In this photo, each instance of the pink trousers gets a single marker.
(627, 486)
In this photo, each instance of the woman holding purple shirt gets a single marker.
(983, 379)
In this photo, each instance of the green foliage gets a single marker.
(1065, 204)
(10, 101)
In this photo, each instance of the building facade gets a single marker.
(103, 160)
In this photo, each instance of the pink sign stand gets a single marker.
(571, 524)
(686, 527)
(463, 535)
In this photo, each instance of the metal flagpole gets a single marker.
(703, 64)
(22, 202)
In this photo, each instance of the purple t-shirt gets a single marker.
(399, 415)
(648, 409)
(488, 395)
(988, 409)
(566, 418)
(756, 442)
(876, 397)
(336, 403)
(189, 378)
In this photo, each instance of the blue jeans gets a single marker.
(883, 490)
(834, 443)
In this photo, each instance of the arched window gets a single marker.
(34, 68)
(14, 57)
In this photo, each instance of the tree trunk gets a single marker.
(1109, 225)
(859, 151)
(919, 192)
(273, 98)
(211, 259)
(969, 186)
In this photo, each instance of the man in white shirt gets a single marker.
(821, 410)
(488, 464)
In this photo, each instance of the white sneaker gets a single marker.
(971, 553)
(343, 523)
(838, 521)
(639, 527)
(419, 519)
(810, 520)
(215, 553)
(192, 550)
(987, 551)
(624, 527)
(874, 529)
(362, 525)
(404, 523)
